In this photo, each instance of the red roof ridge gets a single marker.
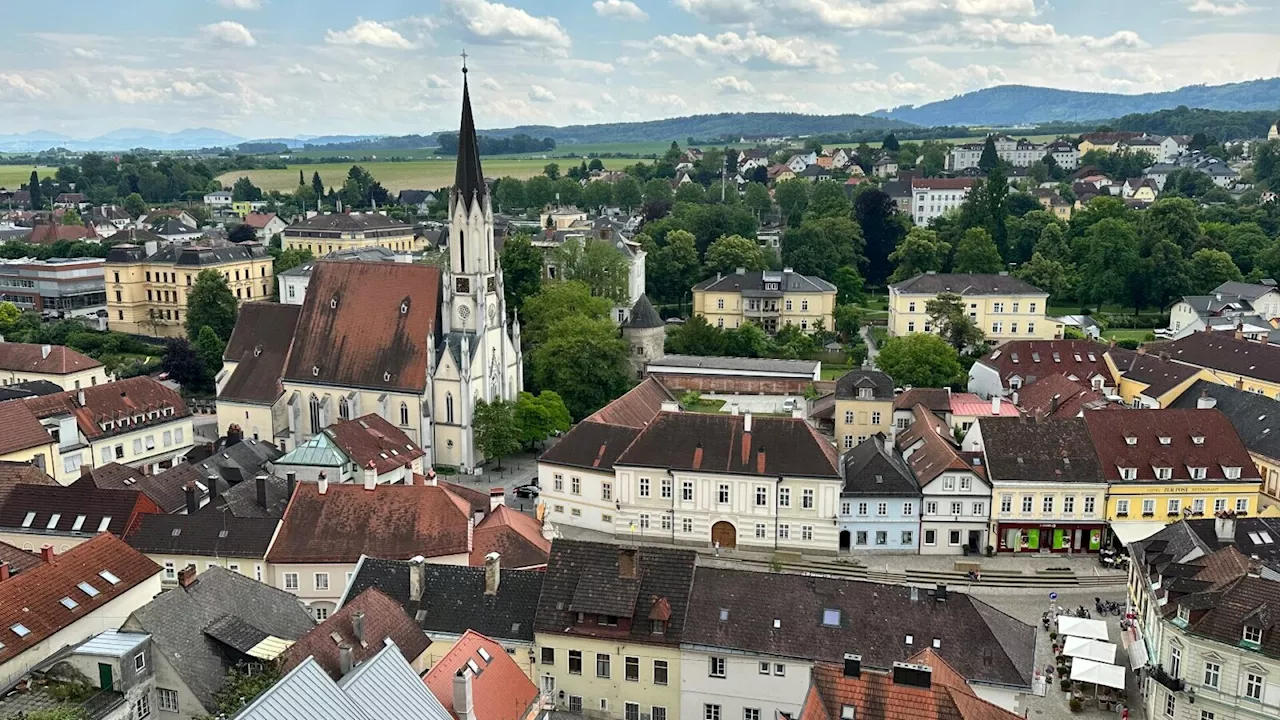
(502, 691)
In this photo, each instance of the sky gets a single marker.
(283, 68)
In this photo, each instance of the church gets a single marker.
(419, 345)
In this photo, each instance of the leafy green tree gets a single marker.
(596, 165)
(949, 316)
(539, 192)
(1267, 262)
(568, 191)
(849, 285)
(919, 253)
(584, 361)
(673, 268)
(1024, 232)
(891, 143)
(848, 321)
(291, 258)
(977, 253)
(596, 195)
(707, 223)
(71, 216)
(792, 197)
(1165, 275)
(1052, 244)
(135, 205)
(1110, 254)
(496, 430)
(209, 349)
(521, 270)
(883, 228)
(696, 337)
(1052, 276)
(241, 685)
(558, 301)
(184, 366)
(820, 246)
(747, 340)
(690, 192)
(920, 360)
(828, 199)
(994, 196)
(242, 233)
(540, 416)
(1245, 241)
(1173, 219)
(552, 171)
(627, 193)
(9, 314)
(757, 198)
(731, 252)
(989, 160)
(598, 263)
(36, 192)
(658, 198)
(211, 302)
(509, 193)
(1211, 268)
(245, 191)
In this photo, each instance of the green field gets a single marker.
(11, 176)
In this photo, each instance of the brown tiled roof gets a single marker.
(260, 344)
(18, 559)
(1158, 374)
(258, 220)
(590, 445)
(120, 509)
(478, 501)
(20, 429)
(167, 489)
(1057, 396)
(34, 598)
(115, 401)
(1221, 445)
(366, 341)
(1248, 600)
(1033, 359)
(637, 407)
(370, 438)
(515, 536)
(501, 690)
(875, 695)
(391, 521)
(1050, 450)
(20, 473)
(384, 620)
(720, 443)
(31, 358)
(938, 453)
(933, 399)
(48, 233)
(1222, 351)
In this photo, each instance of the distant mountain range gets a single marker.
(118, 140)
(1025, 105)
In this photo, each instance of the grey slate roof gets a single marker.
(966, 284)
(874, 468)
(643, 315)
(1050, 450)
(1251, 291)
(177, 620)
(753, 282)
(881, 384)
(242, 500)
(1255, 417)
(799, 367)
(452, 598)
(376, 253)
(209, 532)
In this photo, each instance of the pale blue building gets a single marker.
(880, 502)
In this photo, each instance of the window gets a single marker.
(644, 487)
(882, 509)
(575, 662)
(1148, 506)
(997, 307)
(644, 521)
(806, 499)
(602, 665)
(557, 482)
(908, 509)
(911, 327)
(1219, 505)
(1242, 504)
(750, 713)
(631, 669)
(548, 656)
(142, 706)
(931, 507)
(948, 483)
(666, 488)
(659, 672)
(720, 304)
(804, 305)
(630, 711)
(1122, 507)
(911, 307)
(1047, 504)
(404, 414)
(170, 571)
(291, 581)
(957, 507)
(716, 667)
(722, 495)
(575, 703)
(168, 700)
(1174, 506)
(1198, 473)
(882, 537)
(1088, 504)
(1252, 634)
(1006, 503)
(1164, 473)
(760, 531)
(930, 537)
(657, 712)
(846, 507)
(908, 537)
(686, 525)
(861, 537)
(1212, 674)
(953, 538)
(806, 532)
(848, 417)
(606, 491)
(788, 306)
(762, 496)
(321, 613)
(1129, 473)
(1175, 662)
(1253, 686)
(784, 532)
(710, 712)
(966, 484)
(1027, 500)
(875, 418)
(575, 485)
(862, 509)
(686, 490)
(666, 521)
(1170, 705)
(779, 669)
(322, 581)
(1207, 715)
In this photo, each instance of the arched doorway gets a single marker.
(844, 541)
(724, 535)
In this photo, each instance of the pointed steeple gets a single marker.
(468, 181)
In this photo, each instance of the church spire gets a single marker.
(468, 180)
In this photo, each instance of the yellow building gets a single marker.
(863, 407)
(1151, 380)
(323, 234)
(769, 298)
(24, 439)
(241, 208)
(1003, 307)
(1253, 417)
(205, 540)
(58, 364)
(147, 285)
(1230, 359)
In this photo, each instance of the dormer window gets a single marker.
(1129, 473)
(1130, 440)
(333, 302)
(315, 371)
(864, 393)
(1199, 473)
(404, 308)
(1252, 634)
(1197, 439)
(657, 627)
(1165, 440)
(1183, 613)
(1231, 473)
(1164, 473)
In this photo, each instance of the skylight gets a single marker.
(79, 523)
(69, 604)
(109, 577)
(30, 518)
(484, 655)
(831, 617)
(88, 589)
(102, 526)
(53, 521)
(20, 630)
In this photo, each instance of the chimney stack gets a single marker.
(212, 481)
(497, 496)
(261, 482)
(80, 397)
(627, 563)
(1224, 526)
(746, 422)
(193, 503)
(852, 665)
(234, 435)
(370, 475)
(346, 659)
(417, 577)
(462, 699)
(290, 482)
(492, 573)
(187, 575)
(323, 483)
(4, 571)
(357, 627)
(46, 553)
(1205, 402)
(995, 405)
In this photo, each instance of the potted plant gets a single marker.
(991, 551)
(1076, 705)
(1053, 634)
(1065, 684)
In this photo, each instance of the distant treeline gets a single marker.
(398, 142)
(1217, 124)
(520, 143)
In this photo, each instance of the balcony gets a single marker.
(1174, 684)
(761, 311)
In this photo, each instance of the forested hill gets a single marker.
(1022, 104)
(750, 125)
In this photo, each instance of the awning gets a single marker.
(1083, 628)
(1111, 676)
(1096, 650)
(1135, 645)
(1131, 531)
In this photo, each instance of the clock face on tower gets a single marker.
(493, 311)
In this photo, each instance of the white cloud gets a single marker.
(624, 9)
(436, 82)
(997, 32)
(783, 52)
(722, 11)
(730, 85)
(489, 83)
(229, 33)
(495, 23)
(368, 32)
(537, 93)
(607, 99)
(86, 53)
(296, 69)
(849, 14)
(326, 77)
(18, 85)
(591, 66)
(1221, 8)
(241, 4)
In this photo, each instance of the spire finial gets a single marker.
(464, 62)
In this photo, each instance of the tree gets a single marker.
(496, 431)
(1110, 254)
(555, 302)
(919, 253)
(1199, 141)
(242, 684)
(599, 264)
(627, 193)
(977, 253)
(891, 143)
(696, 337)
(184, 366)
(1053, 244)
(71, 216)
(1165, 275)
(289, 259)
(1052, 276)
(596, 195)
(135, 205)
(596, 165)
(568, 191)
(9, 314)
(731, 252)
(209, 349)
(882, 229)
(552, 171)
(828, 199)
(521, 270)
(33, 188)
(1173, 219)
(951, 318)
(792, 197)
(747, 340)
(757, 199)
(673, 268)
(848, 320)
(539, 191)
(690, 192)
(849, 285)
(920, 360)
(540, 416)
(211, 302)
(509, 194)
(819, 246)
(317, 185)
(989, 160)
(584, 361)
(813, 144)
(242, 233)
(1211, 268)
(245, 191)
(657, 198)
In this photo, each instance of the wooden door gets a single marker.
(724, 535)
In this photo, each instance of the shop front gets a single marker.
(1050, 537)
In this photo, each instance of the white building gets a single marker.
(1226, 308)
(934, 197)
(219, 200)
(956, 495)
(1018, 153)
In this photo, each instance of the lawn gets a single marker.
(705, 406)
(12, 176)
(834, 372)
(1126, 334)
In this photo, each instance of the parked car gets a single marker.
(527, 491)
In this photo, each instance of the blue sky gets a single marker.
(260, 68)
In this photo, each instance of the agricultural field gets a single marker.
(12, 176)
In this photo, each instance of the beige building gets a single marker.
(147, 285)
(58, 364)
(863, 407)
(330, 232)
(768, 298)
(25, 439)
(1003, 307)
(204, 540)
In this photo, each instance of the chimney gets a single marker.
(431, 478)
(370, 475)
(4, 571)
(193, 503)
(417, 578)
(80, 397)
(746, 422)
(86, 471)
(212, 481)
(44, 351)
(733, 408)
(346, 659)
(1205, 402)
(290, 482)
(357, 627)
(1224, 526)
(995, 405)
(627, 563)
(323, 483)
(187, 575)
(1053, 404)
(497, 496)
(852, 665)
(761, 460)
(462, 702)
(492, 573)
(261, 481)
(234, 435)
(46, 553)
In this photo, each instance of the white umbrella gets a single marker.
(1098, 673)
(1089, 649)
(1082, 627)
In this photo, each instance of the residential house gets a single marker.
(956, 493)
(781, 173)
(147, 285)
(107, 220)
(249, 386)
(242, 208)
(880, 502)
(1004, 307)
(1064, 154)
(800, 161)
(1240, 363)
(934, 197)
(478, 680)
(265, 225)
(751, 639)
(1141, 189)
(352, 450)
(57, 287)
(173, 230)
(768, 298)
(328, 527)
(19, 473)
(208, 625)
(1056, 396)
(1019, 153)
(1022, 362)
(1105, 141)
(233, 458)
(446, 601)
(419, 200)
(69, 598)
(935, 400)
(1047, 489)
(49, 233)
(885, 167)
(356, 633)
(71, 200)
(815, 173)
(58, 364)
(568, 230)
(1256, 419)
(608, 612)
(180, 489)
(108, 677)
(25, 440)
(294, 281)
(34, 517)
(517, 537)
(863, 407)
(205, 539)
(330, 232)
(1162, 465)
(218, 200)
(1226, 308)
(1152, 380)
(967, 408)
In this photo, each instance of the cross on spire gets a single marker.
(464, 62)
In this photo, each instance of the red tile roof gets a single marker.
(76, 510)
(934, 399)
(260, 346)
(396, 522)
(20, 473)
(259, 220)
(34, 598)
(1057, 396)
(384, 619)
(597, 441)
(1219, 444)
(515, 536)
(938, 453)
(637, 407)
(370, 438)
(31, 358)
(138, 402)
(970, 405)
(501, 691)
(20, 429)
(48, 234)
(1030, 359)
(875, 695)
(19, 560)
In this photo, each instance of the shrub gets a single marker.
(1065, 684)
(1076, 705)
